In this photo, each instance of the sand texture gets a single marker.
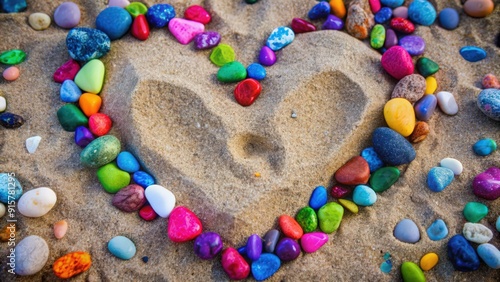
(188, 131)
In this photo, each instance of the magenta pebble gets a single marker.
(208, 245)
(206, 40)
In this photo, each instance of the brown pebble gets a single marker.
(420, 132)
(355, 171)
(478, 8)
(5, 233)
(411, 87)
(490, 81)
(130, 198)
(359, 21)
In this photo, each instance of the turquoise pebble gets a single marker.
(256, 71)
(489, 254)
(364, 196)
(143, 178)
(392, 3)
(122, 247)
(265, 266)
(437, 230)
(472, 53)
(475, 211)
(114, 21)
(69, 92)
(127, 162)
(422, 12)
(8, 182)
(280, 37)
(13, 6)
(439, 178)
(371, 157)
(407, 231)
(386, 266)
(319, 197)
(488, 102)
(497, 224)
(484, 147)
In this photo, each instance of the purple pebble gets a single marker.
(207, 245)
(287, 249)
(206, 40)
(83, 136)
(267, 56)
(333, 22)
(400, 12)
(390, 38)
(254, 247)
(67, 15)
(414, 44)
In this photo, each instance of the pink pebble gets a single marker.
(118, 3)
(397, 62)
(375, 6)
(183, 225)
(235, 266)
(400, 12)
(311, 242)
(490, 81)
(60, 228)
(11, 73)
(185, 30)
(67, 71)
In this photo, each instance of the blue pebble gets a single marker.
(407, 231)
(461, 254)
(392, 148)
(159, 15)
(489, 254)
(472, 53)
(319, 197)
(449, 18)
(371, 157)
(437, 230)
(254, 247)
(383, 15)
(145, 259)
(318, 11)
(114, 21)
(421, 12)
(488, 102)
(85, 43)
(485, 147)
(127, 162)
(122, 247)
(392, 3)
(9, 186)
(364, 196)
(242, 250)
(265, 266)
(497, 224)
(386, 266)
(280, 37)
(143, 178)
(439, 178)
(256, 71)
(13, 6)
(425, 107)
(69, 92)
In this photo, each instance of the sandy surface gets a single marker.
(170, 111)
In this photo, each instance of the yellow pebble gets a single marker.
(351, 206)
(428, 261)
(338, 8)
(400, 116)
(257, 174)
(431, 85)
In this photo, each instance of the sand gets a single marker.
(169, 110)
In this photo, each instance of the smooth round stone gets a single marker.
(242, 250)
(384, 178)
(402, 25)
(349, 205)
(267, 57)
(184, 225)
(431, 85)
(448, 18)
(411, 87)
(37, 202)
(475, 211)
(208, 245)
(429, 261)
(319, 197)
(484, 147)
(159, 15)
(383, 15)
(122, 247)
(453, 164)
(270, 240)
(353, 172)
(461, 254)
(421, 12)
(371, 157)
(222, 54)
(161, 200)
(70, 117)
(333, 23)
(67, 15)
(414, 44)
(397, 62)
(280, 37)
(487, 184)
(422, 129)
(198, 14)
(127, 162)
(473, 53)
(254, 247)
(311, 242)
(247, 91)
(437, 230)
(377, 36)
(85, 43)
(400, 12)
(287, 249)
(10, 188)
(100, 124)
(490, 255)
(364, 196)
(256, 71)
(390, 38)
(130, 198)
(488, 102)
(339, 191)
(3, 210)
(140, 28)
(136, 8)
(11, 73)
(425, 107)
(337, 8)
(477, 233)
(69, 92)
(118, 3)
(112, 178)
(234, 264)
(318, 11)
(67, 71)
(83, 136)
(232, 72)
(478, 8)
(412, 272)
(143, 179)
(392, 3)
(400, 116)
(114, 21)
(439, 178)
(101, 151)
(290, 227)
(71, 264)
(375, 5)
(426, 66)
(3, 104)
(307, 219)
(299, 25)
(407, 231)
(12, 57)
(147, 213)
(39, 21)
(31, 255)
(447, 102)
(206, 40)
(60, 229)
(10, 120)
(265, 266)
(185, 30)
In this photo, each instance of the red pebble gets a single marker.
(183, 225)
(290, 227)
(67, 71)
(100, 124)
(300, 26)
(339, 191)
(375, 5)
(402, 25)
(147, 213)
(490, 81)
(140, 28)
(247, 91)
(397, 62)
(234, 264)
(353, 172)
(198, 14)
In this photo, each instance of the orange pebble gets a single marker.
(90, 103)
(338, 8)
(11, 73)
(71, 264)
(290, 227)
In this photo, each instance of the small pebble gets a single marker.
(161, 199)
(377, 36)
(422, 12)
(407, 231)
(280, 37)
(449, 18)
(307, 219)
(118, 3)
(490, 255)
(428, 261)
(402, 25)
(390, 38)
(101, 151)
(270, 240)
(397, 62)
(185, 30)
(474, 211)
(437, 230)
(318, 11)
(288, 249)
(311, 242)
(198, 14)
(472, 53)
(145, 259)
(290, 227)
(410, 271)
(364, 196)
(147, 213)
(319, 197)
(136, 8)
(337, 8)
(426, 66)
(7, 180)
(487, 184)
(256, 71)
(184, 225)
(236, 72)
(478, 8)
(254, 247)
(11, 73)
(39, 21)
(490, 81)
(484, 147)
(32, 144)
(383, 178)
(265, 266)
(339, 191)
(330, 217)
(431, 85)
(206, 40)
(31, 255)
(208, 245)
(267, 57)
(293, 115)
(111, 177)
(140, 28)
(130, 198)
(222, 55)
(122, 247)
(425, 107)
(453, 164)
(69, 92)
(439, 178)
(375, 5)
(3, 104)
(447, 102)
(71, 264)
(299, 25)
(3, 210)
(488, 102)
(234, 264)
(400, 12)
(462, 255)
(477, 233)
(411, 87)
(333, 23)
(10, 120)
(67, 15)
(143, 179)
(83, 136)
(400, 116)
(420, 132)
(159, 15)
(12, 57)
(414, 44)
(349, 205)
(60, 229)
(383, 15)
(67, 71)
(371, 157)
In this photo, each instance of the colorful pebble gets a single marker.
(400, 12)
(358, 22)
(333, 23)
(67, 71)
(10, 120)
(122, 247)
(319, 198)
(90, 103)
(234, 264)
(6, 191)
(147, 213)
(130, 198)
(400, 116)
(414, 44)
(411, 87)
(439, 178)
(288, 249)
(339, 191)
(71, 264)
(431, 85)
(111, 177)
(486, 185)
(70, 117)
(490, 81)
(488, 102)
(290, 227)
(198, 14)
(11, 73)
(384, 178)
(391, 147)
(330, 217)
(159, 15)
(185, 30)
(136, 8)
(437, 230)
(337, 8)
(267, 57)
(60, 229)
(472, 53)
(208, 245)
(90, 78)
(83, 136)
(383, 15)
(206, 40)
(371, 157)
(377, 36)
(114, 21)
(235, 72)
(420, 132)
(127, 162)
(490, 255)
(254, 247)
(256, 71)
(280, 37)
(478, 8)
(12, 57)
(402, 25)
(69, 92)
(449, 18)
(222, 55)
(375, 5)
(462, 255)
(311, 242)
(475, 211)
(67, 15)
(184, 225)
(265, 266)
(270, 240)
(397, 62)
(140, 28)
(101, 151)
(411, 272)
(364, 196)
(318, 11)
(484, 147)
(422, 12)
(425, 107)
(118, 3)
(426, 66)
(161, 200)
(299, 25)
(407, 231)
(85, 43)
(353, 172)
(349, 205)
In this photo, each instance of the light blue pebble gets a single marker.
(437, 230)
(127, 162)
(122, 247)
(439, 178)
(280, 37)
(265, 266)
(364, 196)
(143, 178)
(485, 147)
(114, 21)
(489, 254)
(392, 3)
(497, 225)
(422, 12)
(10, 188)
(318, 11)
(488, 102)
(319, 197)
(69, 92)
(386, 266)
(256, 71)
(371, 157)
(472, 53)
(407, 231)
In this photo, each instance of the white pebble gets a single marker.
(39, 21)
(3, 104)
(37, 202)
(161, 199)
(447, 103)
(32, 143)
(2, 210)
(477, 233)
(453, 164)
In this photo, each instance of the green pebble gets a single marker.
(427, 67)
(112, 178)
(136, 8)
(70, 117)
(222, 54)
(330, 216)
(377, 36)
(251, 1)
(383, 178)
(101, 151)
(307, 219)
(12, 57)
(474, 211)
(411, 272)
(232, 72)
(91, 77)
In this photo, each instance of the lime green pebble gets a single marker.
(474, 211)
(330, 216)
(101, 151)
(70, 117)
(90, 78)
(112, 178)
(222, 54)
(232, 72)
(12, 57)
(349, 205)
(377, 36)
(136, 8)
(307, 219)
(383, 178)
(411, 272)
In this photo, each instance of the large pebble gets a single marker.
(159, 15)
(364, 196)
(484, 147)
(185, 30)
(359, 22)
(477, 233)
(400, 116)
(208, 245)
(234, 264)
(90, 78)
(31, 255)
(10, 188)
(475, 211)
(311, 242)
(129, 199)
(437, 230)
(392, 147)
(447, 102)
(280, 37)
(461, 254)
(353, 172)
(112, 178)
(414, 44)
(265, 266)
(439, 178)
(411, 87)
(319, 197)
(425, 107)
(397, 62)
(330, 217)
(85, 43)
(487, 184)
(412, 272)
(449, 18)
(371, 157)
(39, 21)
(184, 225)
(488, 102)
(383, 178)
(114, 21)
(473, 53)
(490, 255)
(307, 219)
(453, 164)
(422, 12)
(478, 8)
(160, 199)
(407, 231)
(72, 264)
(122, 247)
(288, 249)
(71, 117)
(67, 15)
(101, 151)
(37, 202)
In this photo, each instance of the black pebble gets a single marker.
(497, 41)
(10, 120)
(145, 259)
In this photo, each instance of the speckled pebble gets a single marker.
(477, 233)
(461, 254)
(392, 148)
(371, 157)
(411, 87)
(488, 102)
(85, 43)
(7, 181)
(280, 37)
(159, 15)
(265, 266)
(422, 12)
